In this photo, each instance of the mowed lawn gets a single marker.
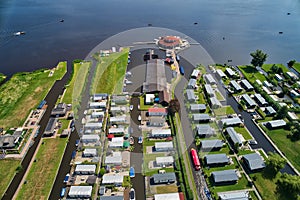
(289, 148)
(110, 73)
(23, 92)
(266, 186)
(42, 173)
(296, 66)
(251, 73)
(7, 171)
(267, 67)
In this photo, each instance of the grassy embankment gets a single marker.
(23, 92)
(110, 73)
(76, 85)
(43, 171)
(296, 66)
(8, 168)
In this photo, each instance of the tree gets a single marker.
(102, 171)
(296, 131)
(282, 112)
(258, 58)
(291, 63)
(289, 184)
(174, 106)
(275, 162)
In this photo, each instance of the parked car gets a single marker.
(140, 140)
(132, 194)
(131, 107)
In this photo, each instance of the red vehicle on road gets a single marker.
(195, 158)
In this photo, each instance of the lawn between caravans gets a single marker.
(24, 91)
(40, 178)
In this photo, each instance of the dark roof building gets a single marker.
(225, 176)
(205, 130)
(7, 141)
(50, 128)
(211, 144)
(216, 159)
(254, 161)
(164, 178)
(59, 110)
(164, 97)
(198, 107)
(155, 76)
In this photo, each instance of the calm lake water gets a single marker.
(245, 25)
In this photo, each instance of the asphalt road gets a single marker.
(136, 156)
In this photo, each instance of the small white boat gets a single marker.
(19, 33)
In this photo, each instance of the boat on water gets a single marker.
(19, 33)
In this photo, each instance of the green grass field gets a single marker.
(23, 92)
(240, 185)
(296, 66)
(289, 148)
(267, 67)
(42, 173)
(76, 86)
(266, 186)
(224, 110)
(110, 73)
(251, 73)
(243, 132)
(7, 171)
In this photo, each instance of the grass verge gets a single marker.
(76, 85)
(8, 168)
(43, 171)
(24, 91)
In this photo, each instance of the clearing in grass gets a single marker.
(251, 73)
(24, 91)
(42, 173)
